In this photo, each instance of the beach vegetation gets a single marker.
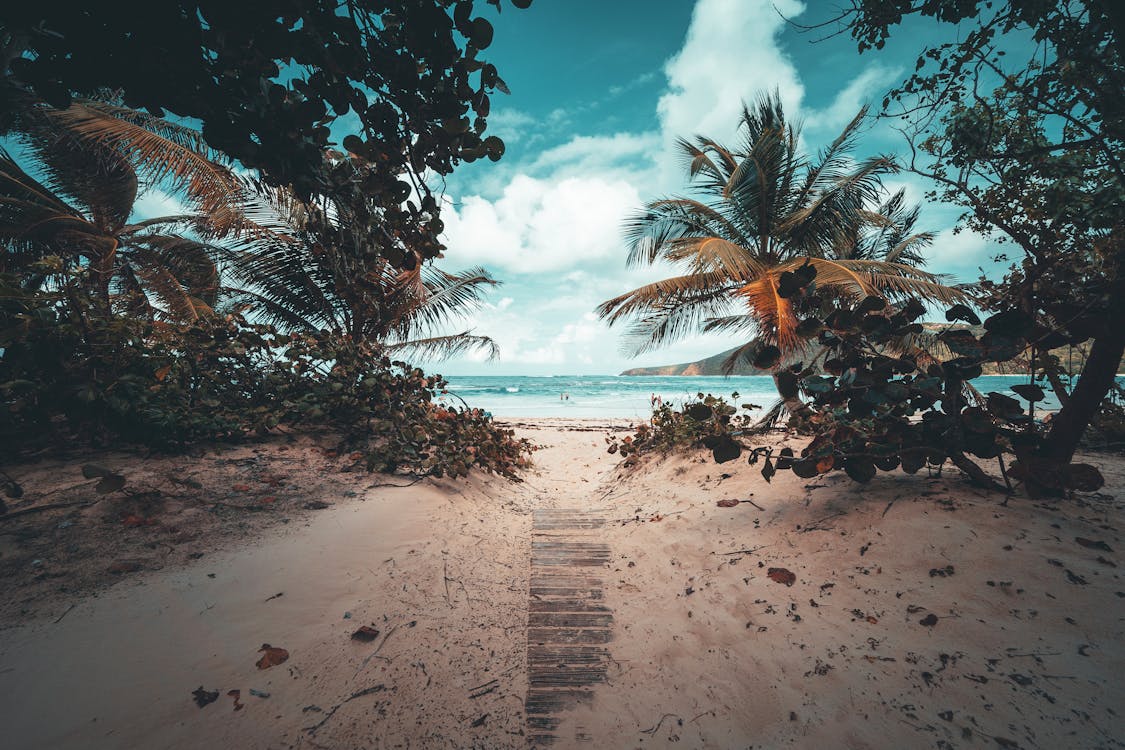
(707, 421)
(766, 218)
(1016, 118)
(324, 275)
(261, 308)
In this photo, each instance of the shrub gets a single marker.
(67, 376)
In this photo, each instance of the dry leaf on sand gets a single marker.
(271, 656)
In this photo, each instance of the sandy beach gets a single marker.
(914, 611)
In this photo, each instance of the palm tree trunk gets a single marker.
(799, 411)
(1098, 374)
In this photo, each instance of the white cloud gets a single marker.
(866, 88)
(541, 226)
(961, 254)
(730, 56)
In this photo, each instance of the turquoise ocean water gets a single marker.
(593, 396)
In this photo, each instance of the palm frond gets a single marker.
(159, 152)
(438, 348)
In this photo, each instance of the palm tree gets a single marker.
(329, 278)
(93, 159)
(763, 211)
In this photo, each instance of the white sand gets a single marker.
(708, 652)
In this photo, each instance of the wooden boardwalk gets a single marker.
(568, 625)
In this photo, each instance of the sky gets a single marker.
(599, 92)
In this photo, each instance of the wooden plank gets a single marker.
(565, 605)
(567, 622)
(542, 636)
(566, 679)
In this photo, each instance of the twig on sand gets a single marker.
(749, 551)
(49, 506)
(754, 504)
(417, 479)
(359, 694)
(655, 729)
(816, 525)
(375, 653)
(887, 509)
(653, 517)
(485, 689)
(445, 578)
(64, 614)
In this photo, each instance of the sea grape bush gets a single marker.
(881, 401)
(709, 421)
(68, 376)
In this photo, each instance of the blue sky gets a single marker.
(599, 92)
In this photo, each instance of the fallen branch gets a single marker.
(816, 525)
(49, 506)
(64, 614)
(375, 653)
(352, 697)
(655, 729)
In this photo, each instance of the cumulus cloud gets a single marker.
(729, 56)
(866, 88)
(541, 226)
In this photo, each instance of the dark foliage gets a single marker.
(709, 422)
(267, 80)
(66, 376)
(1028, 139)
(874, 409)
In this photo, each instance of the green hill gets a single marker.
(714, 365)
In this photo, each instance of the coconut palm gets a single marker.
(93, 159)
(765, 211)
(330, 278)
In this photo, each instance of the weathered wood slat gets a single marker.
(567, 622)
(566, 605)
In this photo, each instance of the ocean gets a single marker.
(629, 397)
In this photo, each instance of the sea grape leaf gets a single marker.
(1014, 323)
(724, 448)
(271, 656)
(962, 342)
(805, 468)
(782, 575)
(365, 634)
(871, 303)
(962, 312)
(818, 384)
(1004, 406)
(913, 461)
(1084, 478)
(698, 412)
(204, 697)
(1002, 347)
(729, 502)
(767, 357)
(860, 469)
(887, 463)
(912, 309)
(1028, 391)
